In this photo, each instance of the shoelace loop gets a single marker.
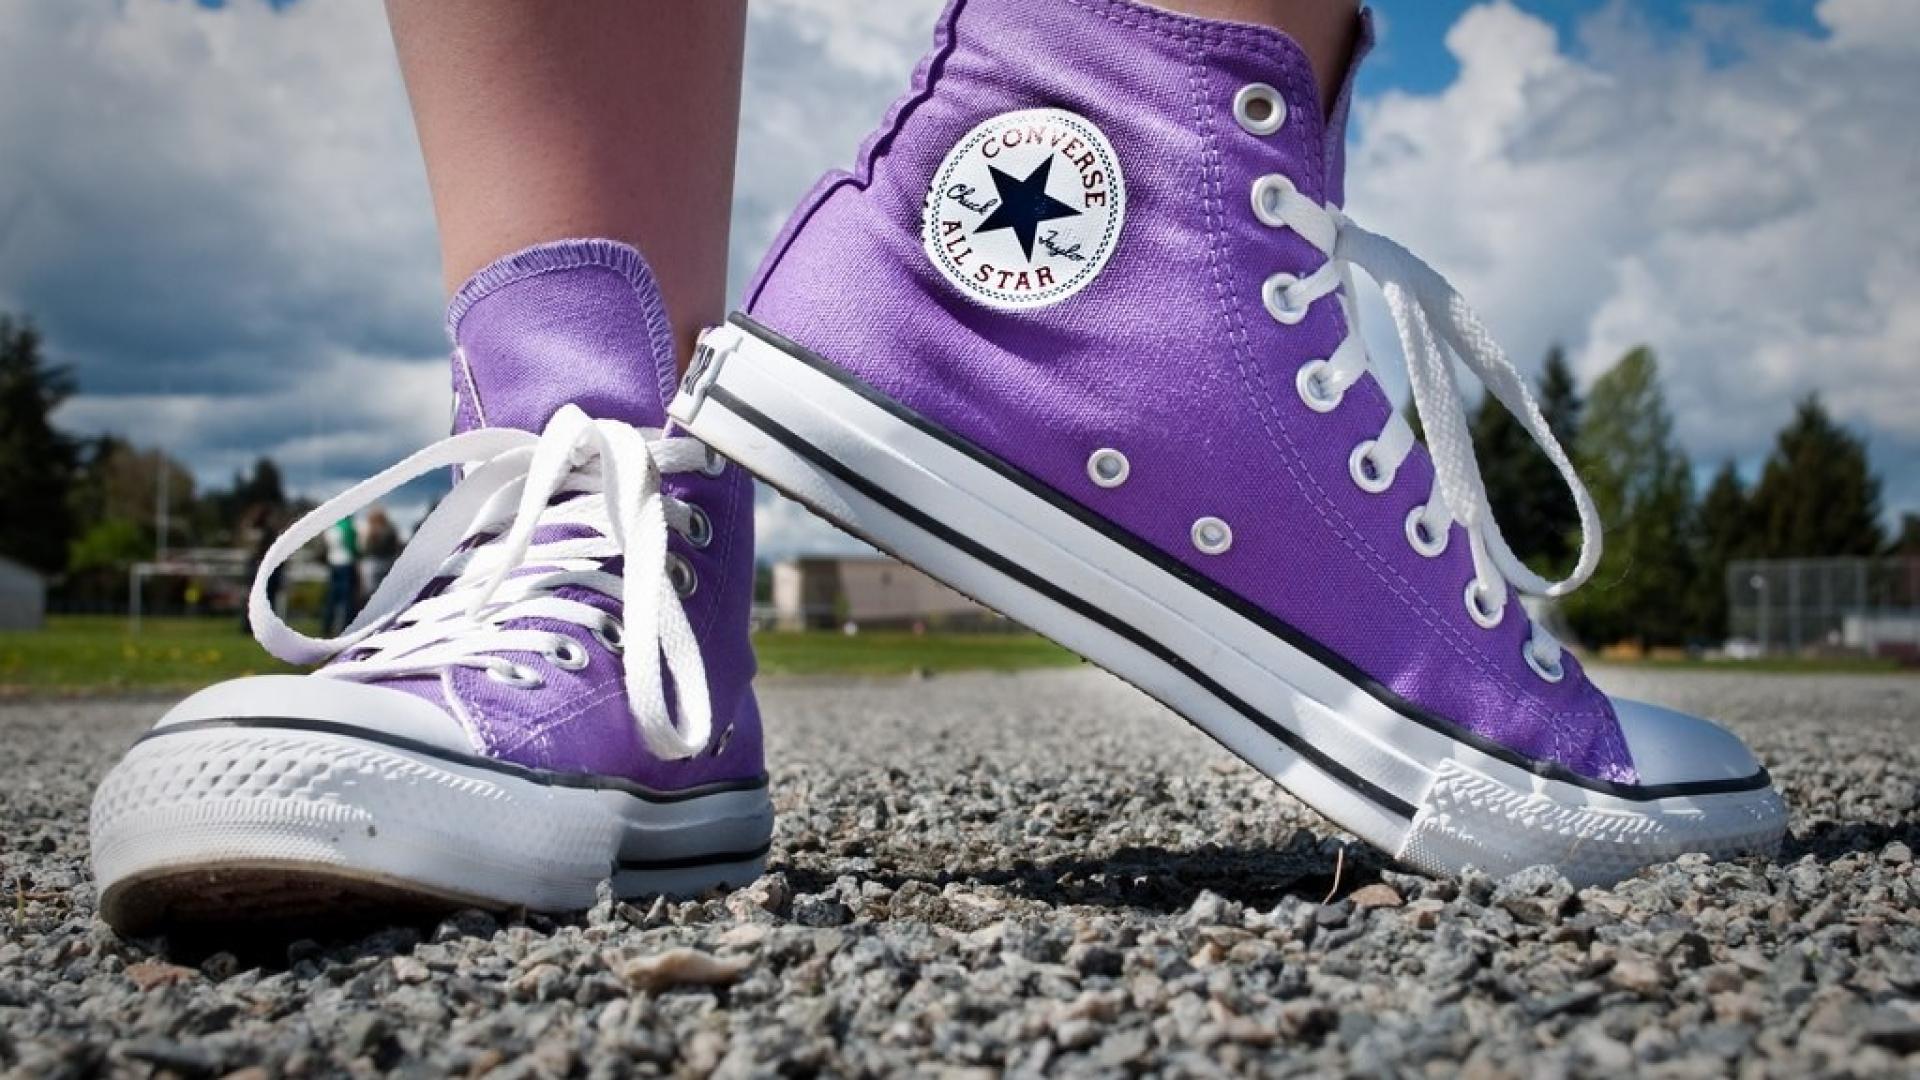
(481, 537)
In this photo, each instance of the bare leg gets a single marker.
(1325, 29)
(614, 118)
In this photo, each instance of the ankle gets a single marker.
(1326, 30)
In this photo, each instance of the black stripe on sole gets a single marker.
(773, 429)
(1234, 602)
(690, 862)
(543, 777)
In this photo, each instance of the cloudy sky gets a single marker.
(217, 215)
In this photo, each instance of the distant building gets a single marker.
(1895, 634)
(819, 592)
(23, 597)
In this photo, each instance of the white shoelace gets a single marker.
(1435, 324)
(611, 474)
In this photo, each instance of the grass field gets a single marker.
(900, 653)
(98, 654)
(1776, 665)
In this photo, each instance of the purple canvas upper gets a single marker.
(1168, 354)
(581, 322)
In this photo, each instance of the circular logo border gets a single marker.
(942, 178)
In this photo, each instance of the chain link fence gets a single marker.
(1867, 606)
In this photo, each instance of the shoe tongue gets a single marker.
(573, 322)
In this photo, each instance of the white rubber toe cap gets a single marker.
(307, 698)
(1671, 747)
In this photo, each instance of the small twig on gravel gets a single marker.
(1339, 866)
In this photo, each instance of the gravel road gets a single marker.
(1037, 873)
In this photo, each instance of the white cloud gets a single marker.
(1893, 25)
(783, 528)
(855, 38)
(1751, 210)
(320, 426)
(223, 228)
(199, 186)
(220, 220)
(820, 76)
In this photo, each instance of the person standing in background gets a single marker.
(343, 577)
(380, 547)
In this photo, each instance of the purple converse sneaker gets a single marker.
(551, 688)
(1076, 337)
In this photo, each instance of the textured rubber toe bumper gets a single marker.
(229, 818)
(1411, 783)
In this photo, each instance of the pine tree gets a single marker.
(1560, 398)
(220, 515)
(36, 460)
(1643, 488)
(1816, 496)
(1723, 532)
(264, 487)
(1906, 540)
(1526, 491)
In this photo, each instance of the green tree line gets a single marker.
(82, 510)
(1662, 579)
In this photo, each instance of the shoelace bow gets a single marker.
(1435, 325)
(610, 476)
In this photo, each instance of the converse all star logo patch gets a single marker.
(1026, 209)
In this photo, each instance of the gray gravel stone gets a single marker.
(1036, 874)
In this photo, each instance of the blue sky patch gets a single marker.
(1413, 53)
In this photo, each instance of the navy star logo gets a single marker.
(1024, 204)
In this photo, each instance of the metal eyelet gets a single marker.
(611, 635)
(1477, 606)
(518, 676)
(1424, 538)
(1270, 192)
(1108, 468)
(1552, 673)
(714, 465)
(1368, 476)
(1260, 109)
(699, 527)
(1212, 536)
(680, 574)
(1279, 305)
(1311, 381)
(567, 654)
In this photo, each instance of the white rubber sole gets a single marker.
(217, 822)
(1414, 787)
